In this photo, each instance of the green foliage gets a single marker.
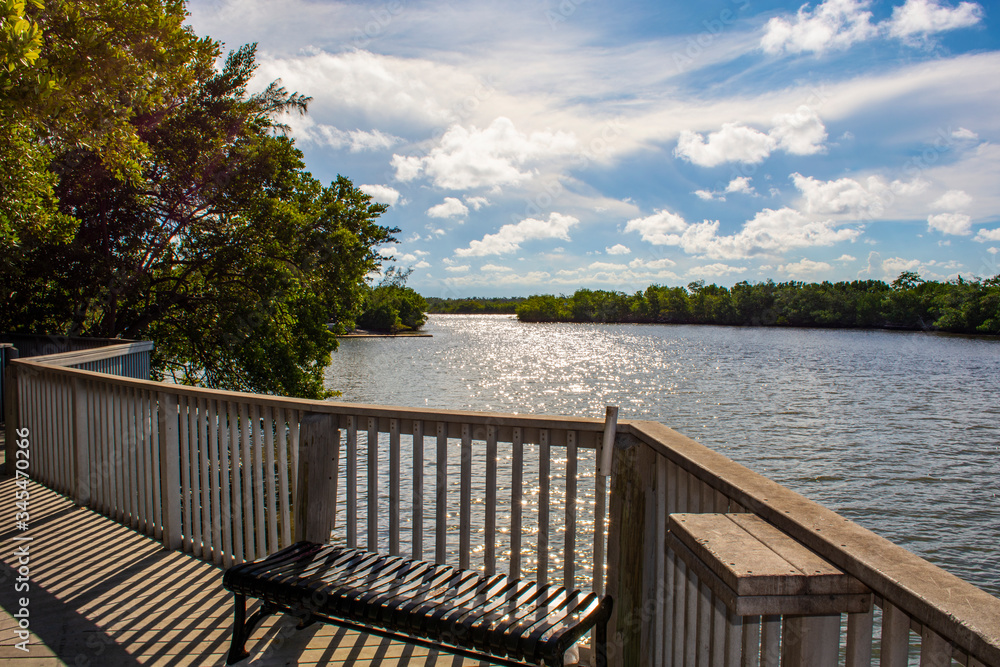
(959, 306)
(392, 306)
(222, 249)
(474, 305)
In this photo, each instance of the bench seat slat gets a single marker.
(509, 619)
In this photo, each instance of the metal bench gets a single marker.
(498, 619)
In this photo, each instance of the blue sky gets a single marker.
(541, 146)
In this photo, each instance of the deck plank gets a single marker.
(104, 594)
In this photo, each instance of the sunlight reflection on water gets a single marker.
(897, 431)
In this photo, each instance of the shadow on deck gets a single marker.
(103, 594)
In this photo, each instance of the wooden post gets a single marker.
(811, 641)
(314, 502)
(170, 470)
(629, 558)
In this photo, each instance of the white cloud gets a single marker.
(804, 267)
(715, 270)
(953, 200)
(457, 269)
(407, 168)
(984, 235)
(834, 24)
(449, 208)
(617, 249)
(869, 198)
(965, 134)
(992, 250)
(661, 228)
(769, 231)
(846, 258)
(740, 184)
(652, 265)
(957, 224)
(925, 17)
(495, 268)
(509, 238)
(471, 158)
(892, 267)
(838, 24)
(383, 194)
(800, 133)
(421, 265)
(844, 195)
(307, 131)
(477, 202)
(733, 143)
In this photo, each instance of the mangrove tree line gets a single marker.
(909, 302)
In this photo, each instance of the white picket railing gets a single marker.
(215, 473)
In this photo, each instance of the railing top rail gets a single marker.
(339, 408)
(96, 354)
(950, 606)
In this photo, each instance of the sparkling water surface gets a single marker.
(898, 431)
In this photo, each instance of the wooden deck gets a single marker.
(102, 594)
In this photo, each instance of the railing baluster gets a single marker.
(283, 507)
(490, 556)
(516, 501)
(465, 500)
(544, 463)
(751, 641)
(441, 501)
(143, 496)
(246, 464)
(770, 641)
(270, 470)
(215, 494)
(259, 472)
(394, 475)
(895, 636)
(236, 428)
(680, 575)
(351, 520)
(372, 451)
(569, 538)
(417, 539)
(859, 638)
(187, 475)
(119, 454)
(294, 423)
(934, 650)
(660, 646)
(227, 433)
(132, 455)
(205, 464)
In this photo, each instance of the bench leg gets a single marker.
(242, 629)
(237, 650)
(601, 643)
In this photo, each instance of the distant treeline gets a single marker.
(959, 306)
(470, 306)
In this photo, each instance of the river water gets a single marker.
(898, 431)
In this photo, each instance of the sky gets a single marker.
(543, 146)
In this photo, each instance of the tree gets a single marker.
(223, 250)
(392, 306)
(79, 75)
